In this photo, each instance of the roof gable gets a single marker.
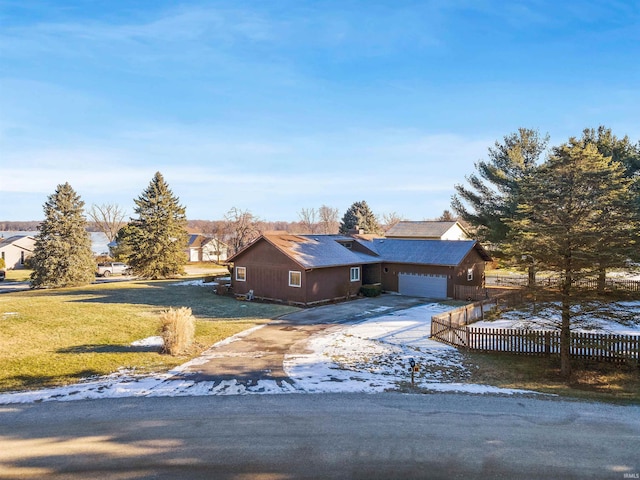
(426, 229)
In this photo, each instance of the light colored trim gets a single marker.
(351, 272)
(244, 274)
(291, 283)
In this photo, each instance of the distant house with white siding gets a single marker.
(206, 249)
(16, 250)
(428, 230)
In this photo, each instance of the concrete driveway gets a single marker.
(260, 355)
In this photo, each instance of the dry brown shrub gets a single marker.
(178, 330)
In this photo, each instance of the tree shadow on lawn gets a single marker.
(170, 293)
(46, 381)
(96, 348)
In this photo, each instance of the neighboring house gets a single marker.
(428, 230)
(309, 269)
(206, 249)
(16, 250)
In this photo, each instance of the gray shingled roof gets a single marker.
(426, 229)
(11, 240)
(424, 252)
(318, 251)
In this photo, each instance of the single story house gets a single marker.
(206, 249)
(16, 250)
(310, 269)
(428, 230)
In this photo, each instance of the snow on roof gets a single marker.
(316, 251)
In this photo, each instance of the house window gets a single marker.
(355, 274)
(469, 274)
(295, 279)
(21, 258)
(241, 274)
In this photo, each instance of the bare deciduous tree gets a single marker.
(328, 220)
(109, 218)
(308, 220)
(241, 227)
(390, 220)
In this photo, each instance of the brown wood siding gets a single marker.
(326, 284)
(268, 276)
(475, 261)
(371, 274)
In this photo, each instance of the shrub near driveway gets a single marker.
(55, 337)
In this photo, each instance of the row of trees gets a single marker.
(153, 243)
(576, 214)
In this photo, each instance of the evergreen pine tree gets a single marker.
(492, 195)
(360, 216)
(157, 237)
(575, 213)
(62, 255)
(623, 151)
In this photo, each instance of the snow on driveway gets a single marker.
(371, 356)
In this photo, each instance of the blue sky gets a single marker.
(274, 106)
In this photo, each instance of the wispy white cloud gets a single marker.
(273, 178)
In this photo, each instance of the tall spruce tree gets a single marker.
(62, 256)
(623, 151)
(575, 212)
(156, 241)
(492, 195)
(360, 216)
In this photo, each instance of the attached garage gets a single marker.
(427, 286)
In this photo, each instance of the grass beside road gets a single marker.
(20, 275)
(598, 381)
(56, 337)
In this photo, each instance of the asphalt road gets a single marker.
(383, 436)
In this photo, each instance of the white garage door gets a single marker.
(428, 286)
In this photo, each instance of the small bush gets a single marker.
(371, 290)
(178, 330)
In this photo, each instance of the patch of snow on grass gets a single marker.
(155, 341)
(593, 322)
(192, 283)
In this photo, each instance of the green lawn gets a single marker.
(590, 380)
(55, 337)
(19, 275)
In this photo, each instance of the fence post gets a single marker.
(547, 343)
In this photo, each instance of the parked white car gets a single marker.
(113, 268)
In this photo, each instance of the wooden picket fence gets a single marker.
(606, 347)
(610, 284)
